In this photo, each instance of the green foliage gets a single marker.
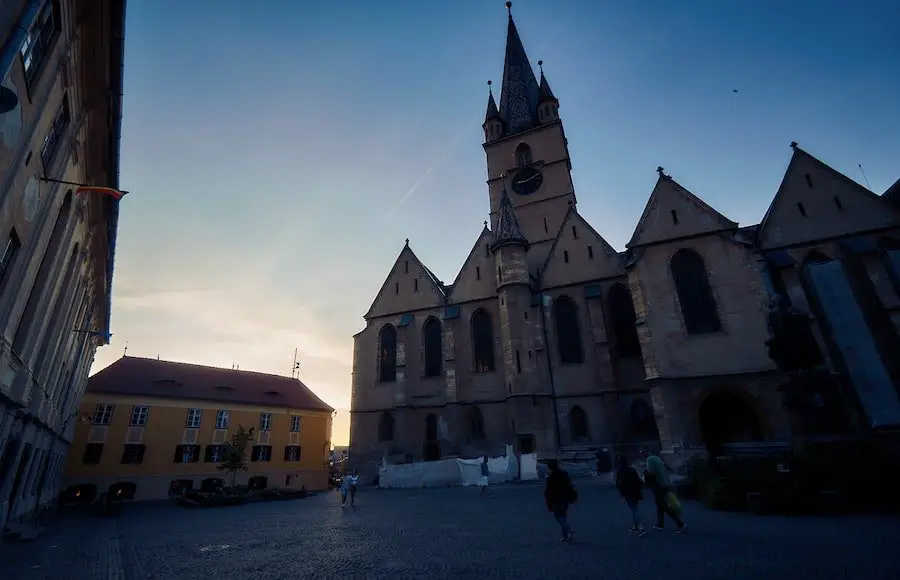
(235, 453)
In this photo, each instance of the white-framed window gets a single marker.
(265, 421)
(39, 42)
(222, 418)
(215, 453)
(103, 414)
(139, 415)
(292, 453)
(295, 423)
(193, 418)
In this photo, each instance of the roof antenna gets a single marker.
(124, 352)
(861, 170)
(157, 356)
(295, 369)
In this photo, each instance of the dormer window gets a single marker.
(523, 155)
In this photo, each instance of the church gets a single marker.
(550, 339)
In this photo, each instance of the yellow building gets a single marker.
(162, 424)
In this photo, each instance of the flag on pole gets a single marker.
(113, 193)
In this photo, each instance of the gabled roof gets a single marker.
(879, 213)
(146, 377)
(669, 192)
(483, 235)
(407, 254)
(612, 255)
(892, 194)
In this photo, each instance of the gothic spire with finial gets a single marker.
(492, 111)
(544, 93)
(520, 93)
(508, 231)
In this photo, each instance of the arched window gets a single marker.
(568, 333)
(63, 300)
(386, 427)
(523, 155)
(482, 342)
(387, 354)
(431, 427)
(578, 423)
(816, 257)
(698, 306)
(476, 424)
(643, 423)
(44, 275)
(621, 311)
(431, 347)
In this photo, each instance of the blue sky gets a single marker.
(268, 145)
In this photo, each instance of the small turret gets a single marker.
(548, 104)
(493, 122)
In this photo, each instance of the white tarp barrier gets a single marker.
(529, 467)
(448, 472)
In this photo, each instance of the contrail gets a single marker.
(437, 163)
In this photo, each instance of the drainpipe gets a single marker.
(546, 299)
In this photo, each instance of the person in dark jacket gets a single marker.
(630, 485)
(559, 495)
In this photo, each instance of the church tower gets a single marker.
(530, 410)
(524, 139)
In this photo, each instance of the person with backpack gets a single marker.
(559, 495)
(630, 485)
(656, 476)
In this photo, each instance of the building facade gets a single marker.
(61, 65)
(161, 425)
(550, 339)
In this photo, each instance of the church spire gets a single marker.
(492, 112)
(508, 231)
(545, 94)
(520, 92)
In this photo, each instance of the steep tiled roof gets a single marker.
(519, 94)
(508, 230)
(160, 378)
(492, 112)
(546, 94)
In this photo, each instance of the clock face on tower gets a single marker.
(527, 181)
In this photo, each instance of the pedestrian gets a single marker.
(345, 489)
(354, 482)
(656, 476)
(629, 484)
(485, 478)
(559, 495)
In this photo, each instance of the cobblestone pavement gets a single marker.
(448, 533)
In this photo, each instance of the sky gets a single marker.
(279, 153)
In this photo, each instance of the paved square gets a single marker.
(449, 533)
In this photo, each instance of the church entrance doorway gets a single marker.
(728, 417)
(432, 444)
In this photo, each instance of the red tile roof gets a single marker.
(160, 378)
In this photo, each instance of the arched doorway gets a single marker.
(728, 417)
(432, 444)
(643, 423)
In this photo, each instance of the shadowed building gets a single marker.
(60, 120)
(161, 425)
(549, 338)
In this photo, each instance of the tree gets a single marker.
(234, 456)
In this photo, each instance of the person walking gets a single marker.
(559, 495)
(629, 484)
(656, 476)
(345, 489)
(485, 479)
(354, 483)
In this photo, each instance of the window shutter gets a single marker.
(178, 453)
(208, 457)
(287, 451)
(140, 455)
(195, 453)
(125, 455)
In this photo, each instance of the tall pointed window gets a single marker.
(431, 347)
(387, 354)
(698, 306)
(482, 342)
(578, 424)
(523, 155)
(386, 427)
(621, 313)
(476, 424)
(568, 332)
